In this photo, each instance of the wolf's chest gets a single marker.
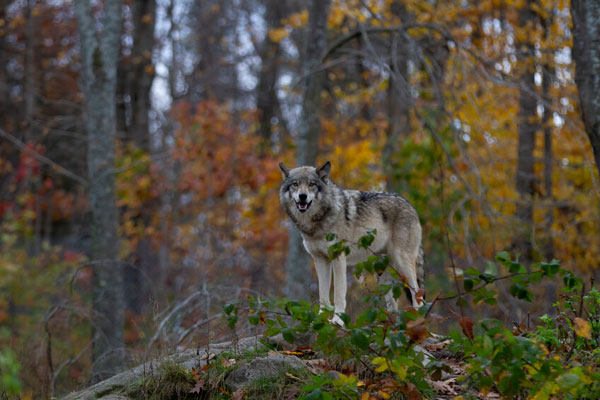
(320, 248)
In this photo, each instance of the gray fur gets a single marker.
(350, 214)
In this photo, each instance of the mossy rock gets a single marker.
(262, 368)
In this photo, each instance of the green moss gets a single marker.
(172, 382)
(281, 386)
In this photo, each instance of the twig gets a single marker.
(580, 313)
(197, 325)
(58, 168)
(175, 309)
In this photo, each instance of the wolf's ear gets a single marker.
(323, 172)
(285, 171)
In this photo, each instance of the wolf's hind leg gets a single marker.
(324, 277)
(407, 266)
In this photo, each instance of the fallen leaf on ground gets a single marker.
(293, 377)
(227, 363)
(317, 366)
(436, 346)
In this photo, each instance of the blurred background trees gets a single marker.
(482, 113)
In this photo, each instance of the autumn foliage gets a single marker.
(199, 216)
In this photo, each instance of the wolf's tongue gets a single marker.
(302, 206)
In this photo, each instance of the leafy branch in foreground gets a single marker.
(379, 352)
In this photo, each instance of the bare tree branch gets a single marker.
(58, 168)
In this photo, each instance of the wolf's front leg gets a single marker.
(340, 287)
(324, 276)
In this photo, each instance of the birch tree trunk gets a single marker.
(309, 126)
(99, 56)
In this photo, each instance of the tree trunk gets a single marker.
(141, 75)
(586, 53)
(398, 96)
(266, 91)
(547, 78)
(527, 125)
(309, 126)
(99, 55)
(29, 84)
(142, 70)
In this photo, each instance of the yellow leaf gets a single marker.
(297, 20)
(383, 394)
(149, 69)
(381, 363)
(278, 34)
(582, 328)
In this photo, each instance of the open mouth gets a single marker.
(303, 206)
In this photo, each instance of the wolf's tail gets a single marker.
(421, 268)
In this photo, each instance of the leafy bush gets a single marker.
(378, 349)
(10, 384)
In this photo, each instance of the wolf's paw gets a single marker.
(336, 320)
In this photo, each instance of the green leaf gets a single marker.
(491, 301)
(468, 284)
(567, 381)
(317, 326)
(366, 241)
(503, 257)
(380, 265)
(288, 335)
(228, 308)
(231, 321)
(254, 319)
(330, 237)
(272, 331)
(345, 318)
(382, 289)
(397, 291)
(514, 267)
(491, 268)
(359, 340)
(487, 278)
(316, 394)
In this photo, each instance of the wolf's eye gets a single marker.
(312, 184)
(295, 184)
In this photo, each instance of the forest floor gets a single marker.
(257, 368)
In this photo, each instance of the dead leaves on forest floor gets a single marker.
(374, 388)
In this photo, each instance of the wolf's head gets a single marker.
(304, 187)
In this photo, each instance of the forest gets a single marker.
(139, 188)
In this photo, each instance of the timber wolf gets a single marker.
(318, 207)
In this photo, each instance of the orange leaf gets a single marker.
(416, 330)
(466, 324)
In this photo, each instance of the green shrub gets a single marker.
(542, 364)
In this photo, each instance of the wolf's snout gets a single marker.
(302, 203)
